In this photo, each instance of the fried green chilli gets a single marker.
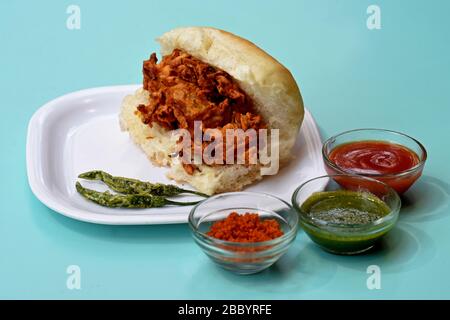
(141, 201)
(134, 186)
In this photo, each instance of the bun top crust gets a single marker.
(272, 87)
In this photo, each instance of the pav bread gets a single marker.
(247, 88)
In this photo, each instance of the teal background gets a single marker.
(350, 77)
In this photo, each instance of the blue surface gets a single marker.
(351, 77)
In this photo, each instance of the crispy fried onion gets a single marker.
(184, 89)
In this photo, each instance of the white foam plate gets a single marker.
(80, 132)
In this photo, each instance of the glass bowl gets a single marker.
(343, 238)
(243, 258)
(400, 181)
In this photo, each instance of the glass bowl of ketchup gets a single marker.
(385, 155)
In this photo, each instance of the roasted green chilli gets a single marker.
(134, 186)
(132, 193)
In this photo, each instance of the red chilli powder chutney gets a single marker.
(248, 227)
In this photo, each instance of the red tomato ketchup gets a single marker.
(381, 160)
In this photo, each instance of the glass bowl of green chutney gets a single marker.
(344, 213)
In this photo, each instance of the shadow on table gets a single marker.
(306, 267)
(427, 200)
(298, 269)
(403, 249)
(165, 234)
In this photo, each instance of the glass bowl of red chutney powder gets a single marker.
(244, 232)
(385, 155)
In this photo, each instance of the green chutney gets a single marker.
(340, 221)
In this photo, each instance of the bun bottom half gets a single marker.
(159, 144)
